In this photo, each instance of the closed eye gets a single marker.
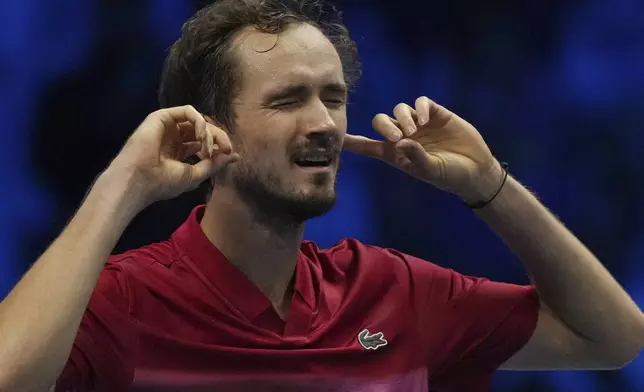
(296, 102)
(335, 102)
(286, 104)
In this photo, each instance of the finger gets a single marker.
(176, 116)
(439, 115)
(220, 135)
(364, 146)
(180, 114)
(223, 160)
(206, 168)
(192, 137)
(387, 127)
(189, 149)
(200, 172)
(187, 132)
(415, 152)
(422, 110)
(406, 117)
(220, 138)
(205, 138)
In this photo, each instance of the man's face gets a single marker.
(290, 121)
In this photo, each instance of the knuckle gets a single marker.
(152, 121)
(161, 115)
(156, 114)
(192, 111)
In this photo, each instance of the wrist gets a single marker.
(486, 186)
(120, 189)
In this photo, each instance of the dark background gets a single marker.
(555, 87)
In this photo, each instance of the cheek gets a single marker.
(340, 120)
(263, 154)
(268, 143)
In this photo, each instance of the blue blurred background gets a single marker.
(555, 87)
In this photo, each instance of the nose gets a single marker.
(317, 122)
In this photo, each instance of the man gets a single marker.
(235, 300)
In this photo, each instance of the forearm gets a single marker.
(39, 319)
(569, 278)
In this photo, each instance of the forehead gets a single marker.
(300, 54)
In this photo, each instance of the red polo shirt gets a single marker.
(177, 316)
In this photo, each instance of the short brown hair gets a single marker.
(200, 69)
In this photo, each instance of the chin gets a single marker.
(289, 207)
(316, 194)
(309, 202)
(310, 207)
(289, 202)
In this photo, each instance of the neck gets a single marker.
(265, 250)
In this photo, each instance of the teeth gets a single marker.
(316, 159)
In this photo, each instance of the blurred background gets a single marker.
(555, 87)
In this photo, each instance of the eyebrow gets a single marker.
(301, 89)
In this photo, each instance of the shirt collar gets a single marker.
(218, 272)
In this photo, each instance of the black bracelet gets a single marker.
(482, 204)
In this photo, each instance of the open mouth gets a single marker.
(314, 161)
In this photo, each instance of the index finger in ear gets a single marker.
(363, 146)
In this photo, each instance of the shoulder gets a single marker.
(143, 263)
(351, 257)
(350, 252)
(147, 257)
(163, 253)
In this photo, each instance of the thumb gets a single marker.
(416, 154)
(412, 150)
(364, 146)
(221, 161)
(206, 168)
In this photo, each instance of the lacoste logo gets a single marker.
(371, 342)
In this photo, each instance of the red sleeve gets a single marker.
(471, 325)
(103, 356)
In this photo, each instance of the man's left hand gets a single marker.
(434, 145)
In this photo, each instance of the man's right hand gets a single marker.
(35, 346)
(154, 155)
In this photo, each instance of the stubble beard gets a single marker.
(274, 202)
